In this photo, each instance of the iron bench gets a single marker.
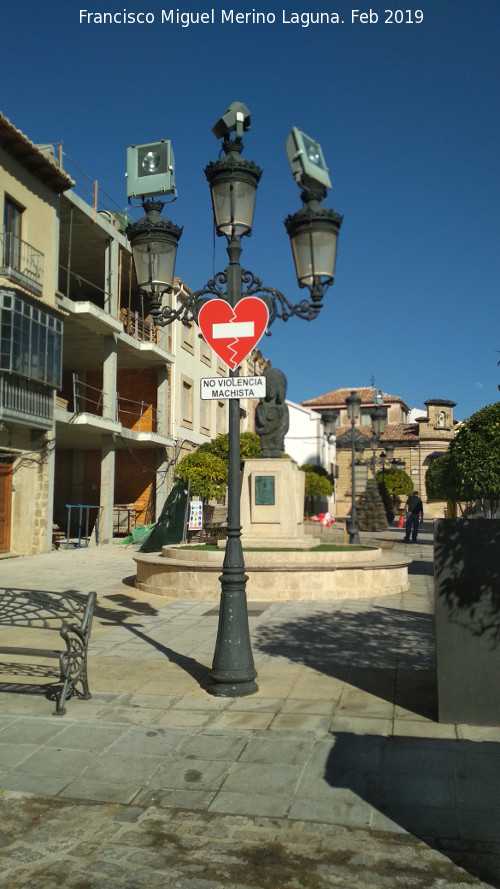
(69, 613)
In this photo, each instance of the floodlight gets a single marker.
(306, 160)
(237, 117)
(150, 169)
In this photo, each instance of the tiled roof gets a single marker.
(403, 432)
(440, 401)
(337, 397)
(26, 153)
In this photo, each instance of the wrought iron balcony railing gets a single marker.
(26, 402)
(21, 262)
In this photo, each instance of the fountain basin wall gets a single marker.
(184, 573)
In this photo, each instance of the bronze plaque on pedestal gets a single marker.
(264, 490)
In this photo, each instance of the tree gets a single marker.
(470, 469)
(387, 501)
(249, 446)
(318, 470)
(318, 484)
(371, 510)
(397, 482)
(206, 473)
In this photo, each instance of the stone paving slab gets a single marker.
(335, 773)
(48, 843)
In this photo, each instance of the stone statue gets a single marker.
(271, 415)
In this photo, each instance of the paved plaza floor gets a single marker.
(335, 773)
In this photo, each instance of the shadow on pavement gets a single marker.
(126, 607)
(188, 664)
(444, 792)
(386, 652)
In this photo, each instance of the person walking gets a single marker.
(414, 510)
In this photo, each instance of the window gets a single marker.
(205, 352)
(30, 341)
(221, 418)
(188, 337)
(12, 216)
(187, 402)
(205, 412)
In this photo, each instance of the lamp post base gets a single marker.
(353, 532)
(222, 689)
(233, 672)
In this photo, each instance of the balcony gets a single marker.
(25, 402)
(20, 262)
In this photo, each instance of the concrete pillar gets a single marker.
(109, 370)
(51, 467)
(162, 460)
(162, 484)
(107, 489)
(162, 400)
(111, 260)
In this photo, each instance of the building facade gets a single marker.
(97, 403)
(31, 335)
(415, 445)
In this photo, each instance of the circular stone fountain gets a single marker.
(192, 573)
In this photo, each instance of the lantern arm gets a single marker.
(278, 304)
(190, 306)
(163, 316)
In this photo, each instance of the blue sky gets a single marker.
(407, 115)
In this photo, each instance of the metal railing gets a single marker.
(83, 524)
(25, 400)
(140, 416)
(137, 327)
(87, 399)
(144, 415)
(21, 262)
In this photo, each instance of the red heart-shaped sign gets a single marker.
(233, 334)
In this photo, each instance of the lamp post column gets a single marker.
(233, 672)
(353, 527)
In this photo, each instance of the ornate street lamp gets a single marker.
(386, 457)
(329, 419)
(154, 243)
(379, 422)
(313, 232)
(353, 403)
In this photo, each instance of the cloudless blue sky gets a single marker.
(408, 119)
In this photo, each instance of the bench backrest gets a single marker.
(46, 610)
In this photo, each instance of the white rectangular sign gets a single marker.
(232, 330)
(233, 387)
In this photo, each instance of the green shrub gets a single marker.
(317, 485)
(249, 446)
(397, 482)
(387, 500)
(371, 511)
(206, 474)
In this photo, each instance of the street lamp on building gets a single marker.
(386, 457)
(313, 232)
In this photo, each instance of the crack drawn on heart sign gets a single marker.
(233, 333)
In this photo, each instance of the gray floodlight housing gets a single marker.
(150, 169)
(306, 160)
(237, 117)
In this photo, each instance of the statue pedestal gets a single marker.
(272, 505)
